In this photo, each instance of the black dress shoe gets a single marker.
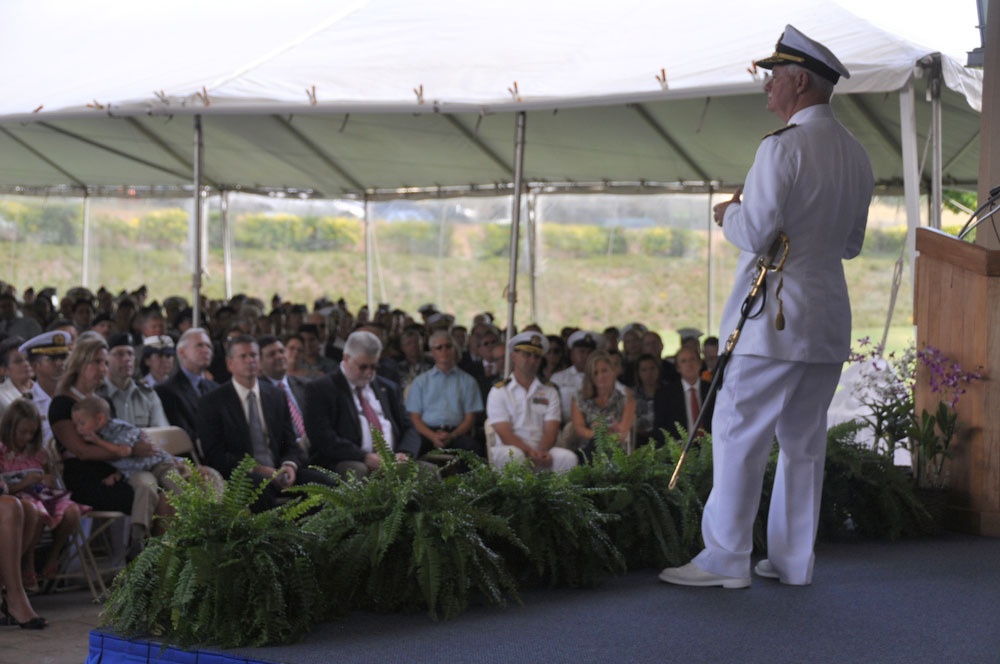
(6, 619)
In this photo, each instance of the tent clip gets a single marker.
(514, 92)
(420, 94)
(662, 79)
(311, 93)
(203, 96)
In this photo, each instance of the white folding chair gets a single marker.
(81, 540)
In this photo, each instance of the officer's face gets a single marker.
(782, 91)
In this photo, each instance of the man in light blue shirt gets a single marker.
(443, 402)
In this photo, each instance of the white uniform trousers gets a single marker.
(563, 460)
(763, 398)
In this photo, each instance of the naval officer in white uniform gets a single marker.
(812, 180)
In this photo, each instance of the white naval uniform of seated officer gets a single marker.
(811, 180)
(525, 414)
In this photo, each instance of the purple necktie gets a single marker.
(368, 411)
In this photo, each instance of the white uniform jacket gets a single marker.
(812, 180)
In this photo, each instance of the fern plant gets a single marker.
(403, 540)
(220, 574)
(564, 536)
(655, 527)
(865, 494)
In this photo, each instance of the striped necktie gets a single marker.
(293, 408)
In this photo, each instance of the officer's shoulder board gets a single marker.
(779, 131)
(503, 383)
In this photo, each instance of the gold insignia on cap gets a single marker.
(59, 340)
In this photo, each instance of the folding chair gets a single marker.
(80, 542)
(176, 441)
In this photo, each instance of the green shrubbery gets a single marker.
(404, 540)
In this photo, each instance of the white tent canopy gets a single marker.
(387, 98)
(363, 98)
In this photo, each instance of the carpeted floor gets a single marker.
(928, 600)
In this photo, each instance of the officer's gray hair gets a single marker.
(362, 344)
(822, 85)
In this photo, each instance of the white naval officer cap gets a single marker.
(583, 339)
(534, 343)
(794, 48)
(55, 342)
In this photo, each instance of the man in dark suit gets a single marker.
(273, 370)
(344, 407)
(682, 399)
(246, 416)
(179, 394)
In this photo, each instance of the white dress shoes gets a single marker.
(692, 575)
(765, 569)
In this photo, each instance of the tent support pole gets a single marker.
(532, 247)
(937, 195)
(227, 243)
(369, 262)
(85, 278)
(911, 174)
(711, 265)
(199, 164)
(515, 220)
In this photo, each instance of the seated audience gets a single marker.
(93, 421)
(156, 362)
(555, 358)
(16, 609)
(15, 372)
(525, 414)
(26, 472)
(569, 381)
(683, 399)
(133, 401)
(413, 362)
(444, 401)
(179, 394)
(86, 470)
(274, 368)
(598, 399)
(246, 416)
(345, 407)
(646, 389)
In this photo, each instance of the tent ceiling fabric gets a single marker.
(325, 99)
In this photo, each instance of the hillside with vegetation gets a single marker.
(588, 273)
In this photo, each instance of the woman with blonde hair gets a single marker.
(600, 399)
(86, 470)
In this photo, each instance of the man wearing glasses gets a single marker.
(344, 408)
(443, 401)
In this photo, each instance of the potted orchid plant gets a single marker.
(887, 395)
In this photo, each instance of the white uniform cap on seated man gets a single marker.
(161, 343)
(530, 342)
(582, 338)
(794, 48)
(55, 342)
(690, 333)
(440, 320)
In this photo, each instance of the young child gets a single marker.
(26, 472)
(93, 421)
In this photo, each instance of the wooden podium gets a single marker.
(957, 310)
